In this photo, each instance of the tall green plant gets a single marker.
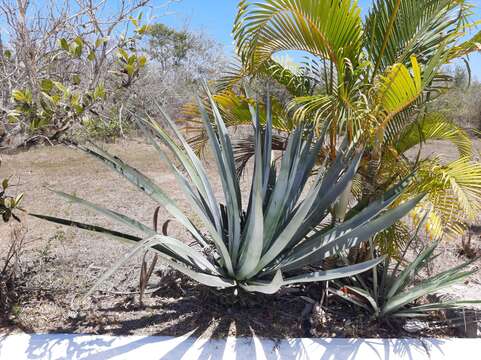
(275, 239)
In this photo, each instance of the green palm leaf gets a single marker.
(331, 29)
(396, 29)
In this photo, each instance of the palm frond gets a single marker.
(466, 48)
(244, 149)
(236, 112)
(328, 29)
(453, 195)
(434, 126)
(398, 28)
(398, 88)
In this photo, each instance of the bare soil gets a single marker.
(60, 264)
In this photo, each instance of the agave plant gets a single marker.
(394, 292)
(275, 239)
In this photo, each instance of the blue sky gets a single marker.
(215, 18)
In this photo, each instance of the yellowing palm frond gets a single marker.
(464, 178)
(434, 126)
(453, 195)
(398, 88)
(391, 240)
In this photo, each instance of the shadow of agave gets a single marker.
(196, 322)
(190, 346)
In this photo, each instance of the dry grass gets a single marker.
(11, 271)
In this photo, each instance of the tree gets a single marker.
(168, 45)
(368, 81)
(462, 101)
(62, 62)
(178, 61)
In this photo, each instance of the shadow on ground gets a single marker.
(52, 346)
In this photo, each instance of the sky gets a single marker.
(215, 18)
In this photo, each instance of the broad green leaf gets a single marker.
(91, 56)
(332, 242)
(265, 287)
(123, 54)
(345, 271)
(147, 186)
(64, 44)
(46, 85)
(253, 240)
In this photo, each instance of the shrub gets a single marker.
(394, 291)
(276, 239)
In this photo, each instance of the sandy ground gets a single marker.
(62, 263)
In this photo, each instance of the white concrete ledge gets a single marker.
(102, 347)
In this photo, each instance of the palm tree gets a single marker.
(370, 80)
